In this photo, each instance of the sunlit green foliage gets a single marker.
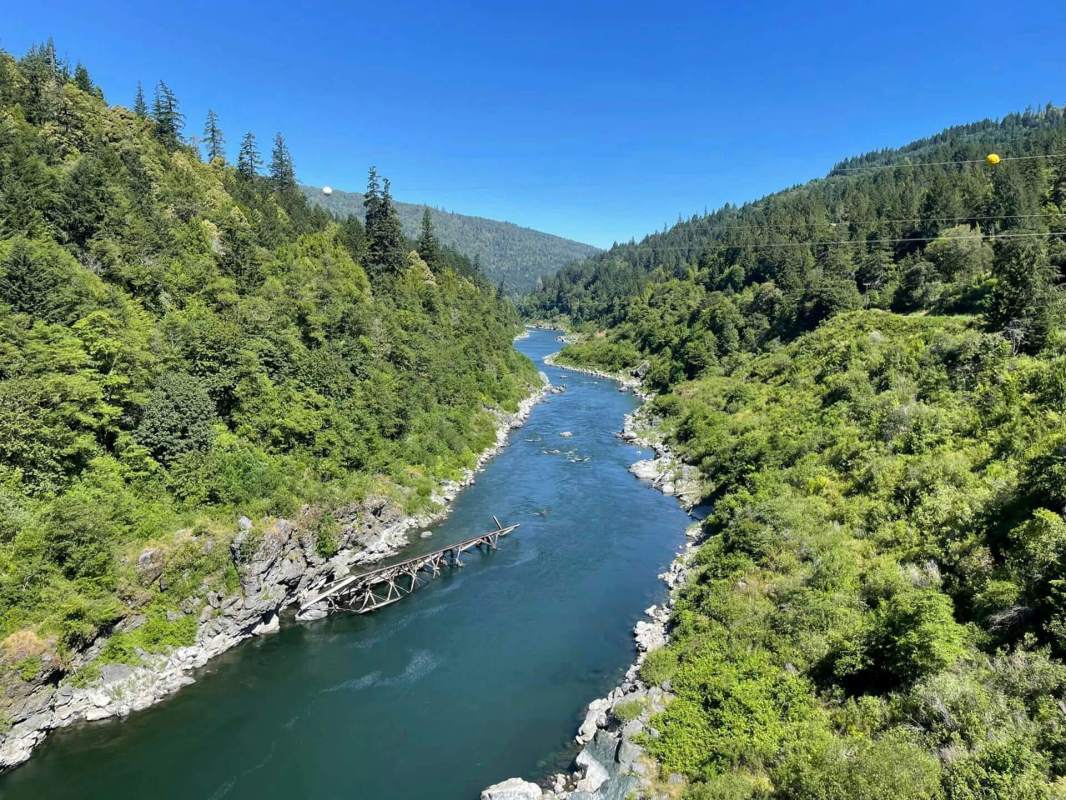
(183, 342)
(878, 610)
(880, 607)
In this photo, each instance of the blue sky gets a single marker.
(596, 121)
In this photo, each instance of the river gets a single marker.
(481, 675)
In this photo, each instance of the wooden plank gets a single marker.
(364, 582)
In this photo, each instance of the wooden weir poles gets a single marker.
(371, 590)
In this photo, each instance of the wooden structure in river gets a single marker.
(380, 587)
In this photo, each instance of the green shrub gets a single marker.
(628, 710)
(178, 419)
(327, 536)
(659, 666)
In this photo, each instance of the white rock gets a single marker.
(595, 773)
(512, 789)
(595, 718)
(271, 625)
(646, 470)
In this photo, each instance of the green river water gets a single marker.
(481, 675)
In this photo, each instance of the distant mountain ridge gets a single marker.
(509, 253)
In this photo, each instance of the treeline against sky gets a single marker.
(182, 341)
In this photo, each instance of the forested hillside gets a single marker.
(184, 341)
(903, 229)
(507, 254)
(870, 373)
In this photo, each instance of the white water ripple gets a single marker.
(421, 664)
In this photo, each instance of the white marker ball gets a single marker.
(327, 190)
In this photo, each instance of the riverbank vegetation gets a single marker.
(184, 341)
(877, 412)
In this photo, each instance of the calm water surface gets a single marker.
(479, 676)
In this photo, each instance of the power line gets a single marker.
(917, 165)
(879, 221)
(900, 240)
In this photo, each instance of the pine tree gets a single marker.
(82, 79)
(394, 256)
(44, 79)
(282, 173)
(353, 236)
(213, 138)
(1024, 299)
(248, 159)
(169, 120)
(372, 199)
(140, 108)
(384, 236)
(428, 246)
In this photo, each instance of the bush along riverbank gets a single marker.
(875, 609)
(611, 763)
(270, 565)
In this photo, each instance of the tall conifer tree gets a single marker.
(428, 246)
(169, 120)
(282, 172)
(248, 159)
(384, 236)
(140, 108)
(1024, 300)
(213, 138)
(82, 79)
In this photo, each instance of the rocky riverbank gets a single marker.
(277, 564)
(611, 764)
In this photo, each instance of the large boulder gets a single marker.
(512, 789)
(595, 717)
(594, 773)
(150, 565)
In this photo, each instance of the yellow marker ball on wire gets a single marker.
(992, 159)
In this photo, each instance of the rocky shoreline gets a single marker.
(277, 567)
(611, 764)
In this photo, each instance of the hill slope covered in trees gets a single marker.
(506, 253)
(182, 342)
(870, 373)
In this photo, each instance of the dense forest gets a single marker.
(870, 373)
(183, 341)
(507, 254)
